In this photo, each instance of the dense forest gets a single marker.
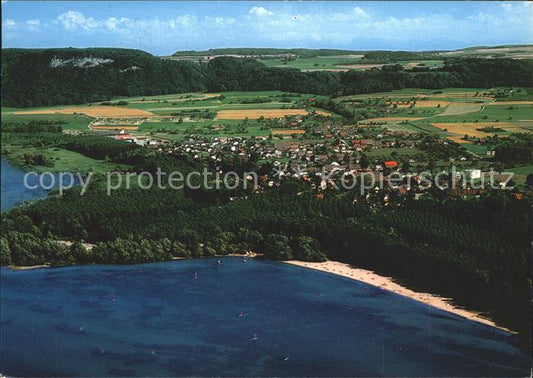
(396, 56)
(75, 76)
(512, 152)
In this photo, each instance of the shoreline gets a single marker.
(28, 267)
(387, 283)
(362, 275)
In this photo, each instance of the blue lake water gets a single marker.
(13, 190)
(158, 320)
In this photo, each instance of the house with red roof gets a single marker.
(390, 164)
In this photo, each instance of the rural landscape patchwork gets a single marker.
(265, 211)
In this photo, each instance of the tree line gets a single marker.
(75, 76)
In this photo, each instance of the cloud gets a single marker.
(9, 23)
(73, 20)
(356, 14)
(260, 12)
(359, 12)
(506, 6)
(33, 25)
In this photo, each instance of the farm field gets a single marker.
(78, 122)
(409, 93)
(494, 113)
(92, 111)
(341, 63)
(421, 103)
(458, 108)
(450, 112)
(258, 113)
(177, 114)
(472, 129)
(287, 132)
(399, 118)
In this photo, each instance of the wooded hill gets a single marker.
(47, 77)
(75, 76)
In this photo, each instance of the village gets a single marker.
(344, 157)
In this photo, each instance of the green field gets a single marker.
(175, 131)
(523, 170)
(72, 122)
(519, 94)
(64, 160)
(423, 126)
(492, 113)
(315, 63)
(336, 63)
(476, 149)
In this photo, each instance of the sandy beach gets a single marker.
(387, 283)
(27, 267)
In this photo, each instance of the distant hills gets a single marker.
(250, 51)
(44, 77)
(479, 51)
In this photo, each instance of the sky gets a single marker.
(162, 28)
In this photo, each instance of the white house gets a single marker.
(472, 174)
